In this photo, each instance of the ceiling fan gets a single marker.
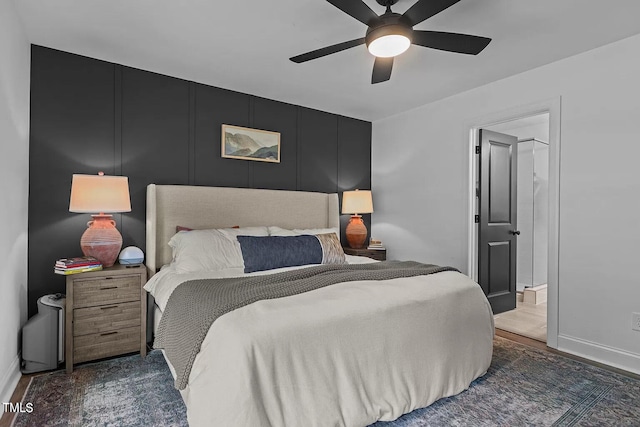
(390, 34)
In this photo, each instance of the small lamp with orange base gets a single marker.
(104, 195)
(356, 202)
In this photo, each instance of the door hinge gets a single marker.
(477, 219)
(477, 149)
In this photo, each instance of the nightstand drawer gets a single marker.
(106, 314)
(92, 320)
(105, 291)
(106, 344)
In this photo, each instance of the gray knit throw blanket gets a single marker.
(196, 304)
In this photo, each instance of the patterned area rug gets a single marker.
(126, 391)
(523, 387)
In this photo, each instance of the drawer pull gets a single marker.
(108, 307)
(108, 287)
(108, 333)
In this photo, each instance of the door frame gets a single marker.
(553, 108)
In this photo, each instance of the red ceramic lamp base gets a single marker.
(102, 240)
(356, 232)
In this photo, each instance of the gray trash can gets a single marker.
(43, 336)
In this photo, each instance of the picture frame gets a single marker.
(250, 144)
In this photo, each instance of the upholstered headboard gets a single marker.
(220, 207)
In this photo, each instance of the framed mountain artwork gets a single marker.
(250, 144)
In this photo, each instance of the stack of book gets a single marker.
(375, 244)
(75, 265)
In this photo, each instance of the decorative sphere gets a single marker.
(131, 255)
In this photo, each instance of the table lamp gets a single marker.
(105, 195)
(356, 202)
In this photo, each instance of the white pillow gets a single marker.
(210, 250)
(244, 231)
(274, 230)
(278, 231)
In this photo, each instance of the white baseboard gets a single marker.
(600, 353)
(10, 380)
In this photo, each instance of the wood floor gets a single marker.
(529, 320)
(18, 394)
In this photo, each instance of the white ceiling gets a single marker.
(244, 45)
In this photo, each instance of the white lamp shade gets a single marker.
(357, 202)
(389, 46)
(99, 193)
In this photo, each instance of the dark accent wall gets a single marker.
(89, 115)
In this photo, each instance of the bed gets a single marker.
(348, 354)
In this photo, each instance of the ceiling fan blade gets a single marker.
(356, 9)
(381, 70)
(452, 42)
(319, 53)
(425, 9)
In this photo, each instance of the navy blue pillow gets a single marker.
(269, 252)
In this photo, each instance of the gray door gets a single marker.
(497, 227)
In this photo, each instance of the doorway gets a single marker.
(529, 316)
(535, 125)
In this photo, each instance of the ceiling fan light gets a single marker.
(389, 46)
(390, 39)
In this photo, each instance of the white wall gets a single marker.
(525, 211)
(540, 212)
(14, 187)
(420, 175)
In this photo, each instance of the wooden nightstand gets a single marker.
(377, 254)
(106, 314)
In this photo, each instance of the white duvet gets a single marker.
(344, 355)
